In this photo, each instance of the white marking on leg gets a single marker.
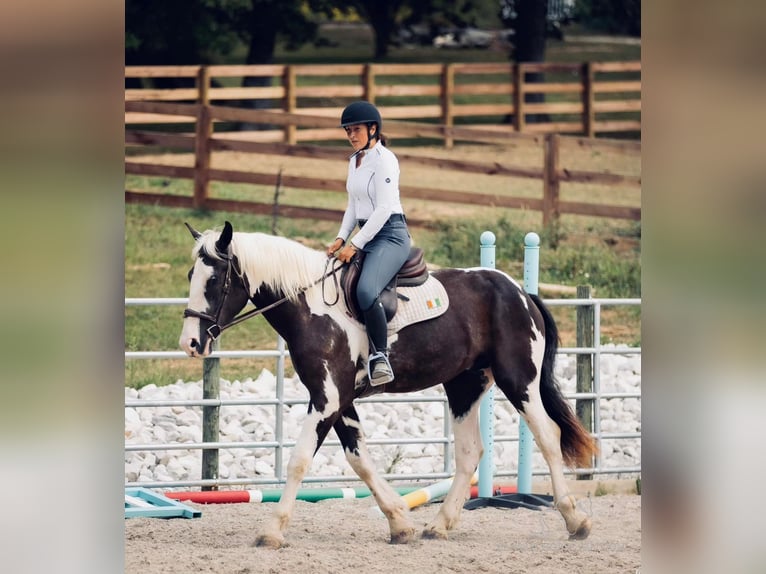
(389, 501)
(548, 438)
(468, 451)
(299, 464)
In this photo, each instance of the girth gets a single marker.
(414, 272)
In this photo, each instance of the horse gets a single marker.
(492, 332)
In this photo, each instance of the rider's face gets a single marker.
(358, 136)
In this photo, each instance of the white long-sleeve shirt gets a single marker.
(373, 194)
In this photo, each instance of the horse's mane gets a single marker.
(282, 264)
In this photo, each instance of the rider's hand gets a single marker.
(334, 246)
(347, 253)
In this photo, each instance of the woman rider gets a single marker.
(373, 204)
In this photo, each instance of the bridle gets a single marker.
(215, 330)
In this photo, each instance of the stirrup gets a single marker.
(386, 377)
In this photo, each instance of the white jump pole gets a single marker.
(531, 272)
(487, 407)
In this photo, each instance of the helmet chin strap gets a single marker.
(367, 145)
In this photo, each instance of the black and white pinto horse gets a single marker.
(492, 331)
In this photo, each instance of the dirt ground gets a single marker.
(342, 536)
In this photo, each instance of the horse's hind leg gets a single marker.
(547, 436)
(464, 394)
(351, 436)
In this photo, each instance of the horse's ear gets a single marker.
(222, 245)
(195, 234)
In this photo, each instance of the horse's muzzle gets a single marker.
(193, 345)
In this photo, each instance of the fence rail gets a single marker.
(586, 98)
(280, 443)
(552, 172)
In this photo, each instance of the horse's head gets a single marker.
(217, 290)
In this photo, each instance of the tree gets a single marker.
(382, 16)
(177, 32)
(261, 23)
(530, 28)
(529, 21)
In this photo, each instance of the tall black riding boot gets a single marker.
(378, 367)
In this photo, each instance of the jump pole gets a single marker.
(273, 495)
(531, 274)
(487, 407)
(425, 494)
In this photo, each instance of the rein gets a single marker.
(215, 330)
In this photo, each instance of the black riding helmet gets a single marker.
(360, 113)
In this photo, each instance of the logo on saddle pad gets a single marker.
(413, 295)
(434, 303)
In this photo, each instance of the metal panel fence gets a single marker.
(281, 444)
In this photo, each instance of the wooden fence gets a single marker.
(205, 141)
(581, 98)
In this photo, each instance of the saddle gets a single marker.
(412, 273)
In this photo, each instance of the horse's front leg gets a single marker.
(468, 449)
(313, 433)
(351, 436)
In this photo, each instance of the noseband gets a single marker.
(215, 330)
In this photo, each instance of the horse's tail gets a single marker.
(577, 446)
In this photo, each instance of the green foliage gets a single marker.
(611, 274)
(610, 17)
(179, 31)
(458, 242)
(436, 14)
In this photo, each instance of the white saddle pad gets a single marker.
(425, 302)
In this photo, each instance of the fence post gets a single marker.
(448, 89)
(487, 406)
(531, 273)
(518, 97)
(584, 407)
(369, 83)
(588, 98)
(288, 80)
(204, 130)
(551, 145)
(211, 372)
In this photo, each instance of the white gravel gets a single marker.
(179, 424)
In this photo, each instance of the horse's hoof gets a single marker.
(434, 534)
(268, 541)
(403, 536)
(582, 531)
